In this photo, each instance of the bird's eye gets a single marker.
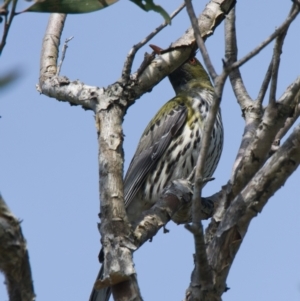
(193, 61)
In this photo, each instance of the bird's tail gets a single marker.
(103, 294)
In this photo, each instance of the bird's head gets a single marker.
(189, 73)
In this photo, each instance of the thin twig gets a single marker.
(265, 85)
(267, 41)
(205, 142)
(231, 50)
(130, 57)
(4, 7)
(7, 25)
(191, 175)
(202, 274)
(199, 40)
(276, 61)
(288, 124)
(204, 270)
(63, 54)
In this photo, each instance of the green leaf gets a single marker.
(150, 5)
(68, 6)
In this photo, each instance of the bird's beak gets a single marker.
(156, 49)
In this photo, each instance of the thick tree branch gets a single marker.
(179, 51)
(174, 204)
(75, 93)
(51, 41)
(247, 204)
(14, 259)
(109, 126)
(159, 68)
(115, 230)
(257, 152)
(60, 87)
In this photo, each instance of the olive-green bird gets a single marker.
(170, 145)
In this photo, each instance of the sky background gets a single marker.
(49, 169)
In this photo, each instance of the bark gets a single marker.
(14, 258)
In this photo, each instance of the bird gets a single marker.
(169, 146)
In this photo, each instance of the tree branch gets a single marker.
(180, 50)
(265, 85)
(14, 259)
(252, 112)
(289, 121)
(267, 41)
(114, 228)
(174, 204)
(247, 204)
(276, 60)
(199, 40)
(65, 90)
(275, 65)
(210, 18)
(8, 22)
(257, 152)
(235, 76)
(64, 50)
(258, 137)
(49, 52)
(202, 279)
(130, 57)
(60, 87)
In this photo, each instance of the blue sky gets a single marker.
(48, 162)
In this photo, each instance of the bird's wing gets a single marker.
(153, 143)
